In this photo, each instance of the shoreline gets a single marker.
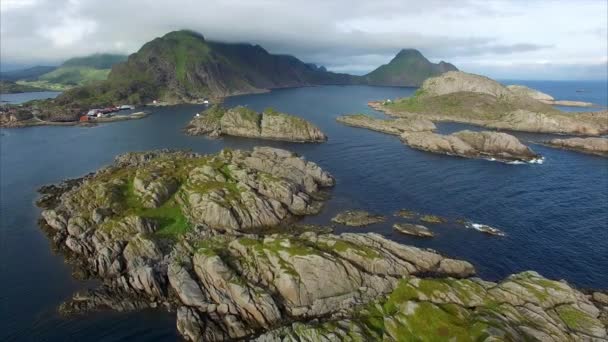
(92, 122)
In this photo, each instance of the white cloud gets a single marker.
(345, 35)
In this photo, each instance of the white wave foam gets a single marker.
(485, 229)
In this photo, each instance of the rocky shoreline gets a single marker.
(193, 233)
(10, 121)
(596, 146)
(391, 126)
(546, 98)
(244, 122)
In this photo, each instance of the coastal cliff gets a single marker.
(478, 100)
(244, 122)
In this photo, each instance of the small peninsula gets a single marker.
(545, 98)
(208, 236)
(597, 146)
(244, 122)
(467, 98)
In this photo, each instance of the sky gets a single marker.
(517, 39)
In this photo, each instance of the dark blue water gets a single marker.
(555, 214)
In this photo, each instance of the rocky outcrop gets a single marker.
(533, 93)
(243, 122)
(597, 146)
(413, 229)
(522, 307)
(357, 218)
(545, 98)
(392, 126)
(461, 97)
(194, 238)
(469, 144)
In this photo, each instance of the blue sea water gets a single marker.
(555, 214)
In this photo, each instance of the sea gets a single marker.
(554, 214)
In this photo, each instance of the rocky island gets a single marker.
(207, 236)
(597, 146)
(461, 97)
(484, 145)
(417, 132)
(243, 122)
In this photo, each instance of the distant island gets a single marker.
(184, 67)
(473, 99)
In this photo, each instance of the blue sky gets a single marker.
(502, 39)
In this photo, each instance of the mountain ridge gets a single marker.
(409, 68)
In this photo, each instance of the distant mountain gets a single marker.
(9, 87)
(409, 68)
(73, 72)
(28, 74)
(182, 66)
(95, 61)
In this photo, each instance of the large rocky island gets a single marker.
(461, 97)
(244, 122)
(211, 237)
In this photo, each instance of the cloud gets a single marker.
(345, 35)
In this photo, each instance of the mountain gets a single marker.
(26, 74)
(182, 66)
(95, 61)
(409, 68)
(75, 72)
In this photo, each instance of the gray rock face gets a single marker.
(458, 81)
(597, 146)
(522, 307)
(244, 122)
(392, 126)
(357, 218)
(413, 229)
(117, 221)
(499, 146)
(533, 93)
(545, 98)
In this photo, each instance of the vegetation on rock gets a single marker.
(461, 97)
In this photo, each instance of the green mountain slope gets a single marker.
(409, 68)
(29, 74)
(182, 66)
(76, 72)
(95, 61)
